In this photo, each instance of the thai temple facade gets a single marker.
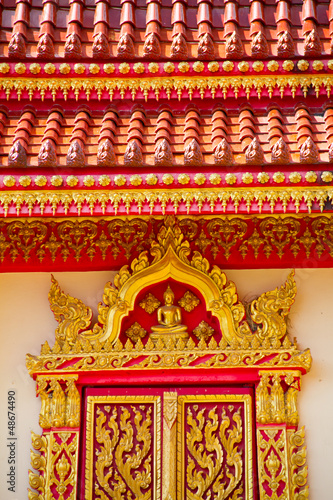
(166, 249)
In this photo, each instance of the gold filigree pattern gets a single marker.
(189, 301)
(39, 241)
(127, 430)
(203, 331)
(258, 199)
(214, 449)
(273, 463)
(173, 87)
(150, 303)
(136, 332)
(56, 461)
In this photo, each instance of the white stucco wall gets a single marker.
(26, 322)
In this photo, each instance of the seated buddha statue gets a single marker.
(169, 318)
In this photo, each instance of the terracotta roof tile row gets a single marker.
(202, 29)
(164, 137)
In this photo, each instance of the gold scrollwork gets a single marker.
(272, 463)
(270, 309)
(297, 464)
(214, 447)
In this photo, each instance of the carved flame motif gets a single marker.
(17, 156)
(163, 155)
(105, 154)
(280, 152)
(192, 154)
(309, 152)
(124, 454)
(45, 47)
(125, 48)
(16, 47)
(178, 47)
(285, 46)
(223, 153)
(254, 154)
(133, 154)
(75, 155)
(233, 46)
(100, 46)
(259, 46)
(214, 461)
(152, 47)
(73, 48)
(206, 47)
(47, 154)
(312, 45)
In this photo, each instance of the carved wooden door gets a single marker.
(168, 444)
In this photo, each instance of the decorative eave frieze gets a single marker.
(243, 242)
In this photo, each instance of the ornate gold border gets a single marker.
(193, 199)
(203, 398)
(201, 83)
(91, 401)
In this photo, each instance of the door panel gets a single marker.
(175, 444)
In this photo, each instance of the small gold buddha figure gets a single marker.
(169, 318)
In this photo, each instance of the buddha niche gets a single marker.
(169, 318)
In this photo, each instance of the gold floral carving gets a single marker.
(127, 430)
(208, 452)
(273, 463)
(189, 301)
(136, 332)
(60, 407)
(150, 303)
(203, 331)
(173, 86)
(56, 460)
(241, 237)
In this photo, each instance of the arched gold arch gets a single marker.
(170, 266)
(170, 261)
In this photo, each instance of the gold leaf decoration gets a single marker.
(136, 332)
(189, 301)
(72, 314)
(203, 331)
(150, 303)
(270, 309)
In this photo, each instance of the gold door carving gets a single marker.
(215, 447)
(123, 448)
